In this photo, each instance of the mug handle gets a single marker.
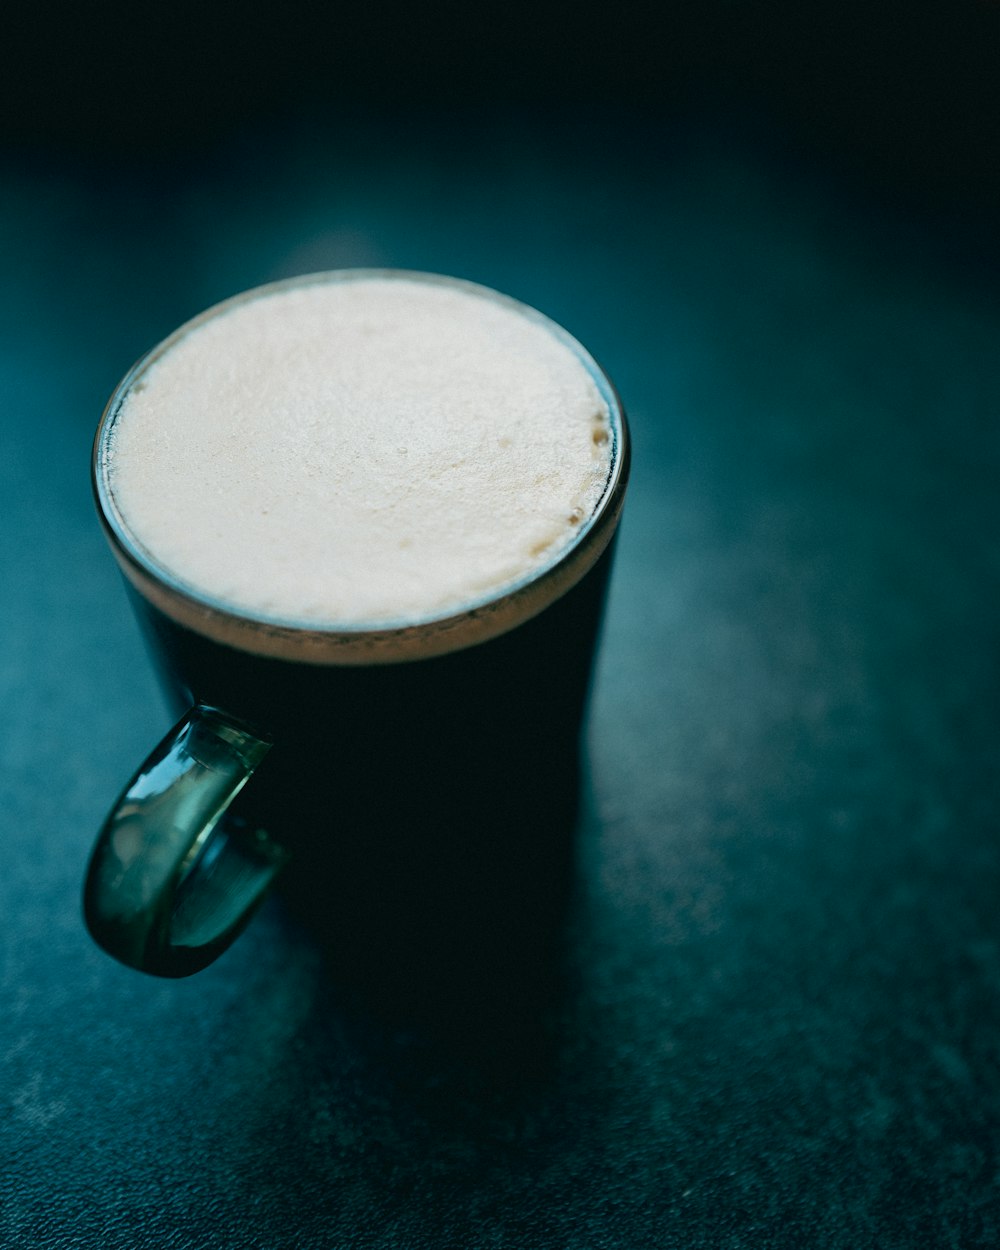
(170, 884)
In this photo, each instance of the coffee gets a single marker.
(366, 522)
(367, 451)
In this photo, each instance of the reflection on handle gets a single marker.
(170, 884)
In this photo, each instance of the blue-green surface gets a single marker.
(774, 1011)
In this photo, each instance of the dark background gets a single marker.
(759, 1005)
(903, 91)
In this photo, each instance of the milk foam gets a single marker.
(363, 451)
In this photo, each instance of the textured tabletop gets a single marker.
(763, 1007)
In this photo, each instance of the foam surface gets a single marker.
(361, 451)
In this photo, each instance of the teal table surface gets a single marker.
(768, 1006)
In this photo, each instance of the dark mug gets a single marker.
(369, 755)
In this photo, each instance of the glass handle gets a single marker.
(170, 884)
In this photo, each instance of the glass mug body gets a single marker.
(390, 755)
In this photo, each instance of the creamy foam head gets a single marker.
(365, 451)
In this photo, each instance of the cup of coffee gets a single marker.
(365, 519)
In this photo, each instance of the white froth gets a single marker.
(359, 451)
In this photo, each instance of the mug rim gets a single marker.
(362, 641)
